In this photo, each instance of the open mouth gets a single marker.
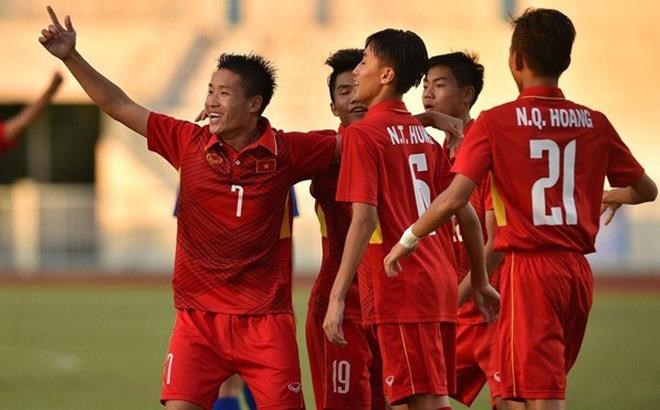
(214, 117)
(358, 109)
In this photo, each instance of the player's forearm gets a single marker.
(17, 124)
(357, 239)
(474, 244)
(641, 191)
(106, 95)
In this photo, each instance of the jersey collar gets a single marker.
(547, 93)
(387, 105)
(266, 140)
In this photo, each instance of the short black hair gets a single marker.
(257, 74)
(465, 67)
(405, 52)
(343, 60)
(545, 38)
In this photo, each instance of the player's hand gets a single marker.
(202, 115)
(55, 82)
(391, 261)
(58, 40)
(334, 318)
(451, 125)
(608, 207)
(488, 301)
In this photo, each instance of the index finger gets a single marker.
(53, 17)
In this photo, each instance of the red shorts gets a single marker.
(418, 358)
(475, 361)
(345, 377)
(545, 305)
(206, 348)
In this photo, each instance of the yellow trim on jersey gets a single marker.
(320, 215)
(377, 236)
(285, 229)
(498, 205)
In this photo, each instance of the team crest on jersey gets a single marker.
(266, 165)
(213, 158)
(295, 387)
(389, 380)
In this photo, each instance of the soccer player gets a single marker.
(390, 170)
(232, 273)
(12, 128)
(350, 376)
(451, 86)
(549, 158)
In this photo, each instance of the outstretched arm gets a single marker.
(61, 42)
(449, 202)
(17, 124)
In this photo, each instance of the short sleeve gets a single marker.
(475, 157)
(622, 168)
(311, 152)
(3, 142)
(169, 137)
(358, 173)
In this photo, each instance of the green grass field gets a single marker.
(69, 347)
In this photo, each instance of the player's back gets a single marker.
(550, 157)
(393, 164)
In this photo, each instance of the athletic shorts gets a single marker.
(345, 377)
(418, 358)
(475, 361)
(206, 348)
(546, 298)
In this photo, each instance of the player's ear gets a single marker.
(333, 108)
(518, 60)
(254, 103)
(467, 94)
(387, 75)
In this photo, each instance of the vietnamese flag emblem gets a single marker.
(266, 165)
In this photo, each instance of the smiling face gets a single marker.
(443, 94)
(230, 110)
(344, 105)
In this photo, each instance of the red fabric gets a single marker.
(4, 144)
(545, 305)
(334, 218)
(475, 361)
(345, 376)
(505, 139)
(388, 160)
(418, 358)
(207, 348)
(233, 251)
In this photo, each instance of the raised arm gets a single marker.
(61, 42)
(17, 124)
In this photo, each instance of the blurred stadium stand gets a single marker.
(162, 54)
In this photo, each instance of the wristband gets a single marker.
(408, 239)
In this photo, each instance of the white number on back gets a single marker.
(417, 163)
(539, 213)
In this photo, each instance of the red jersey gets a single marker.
(549, 158)
(4, 144)
(233, 252)
(334, 220)
(389, 161)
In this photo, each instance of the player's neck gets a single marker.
(535, 81)
(242, 137)
(385, 94)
